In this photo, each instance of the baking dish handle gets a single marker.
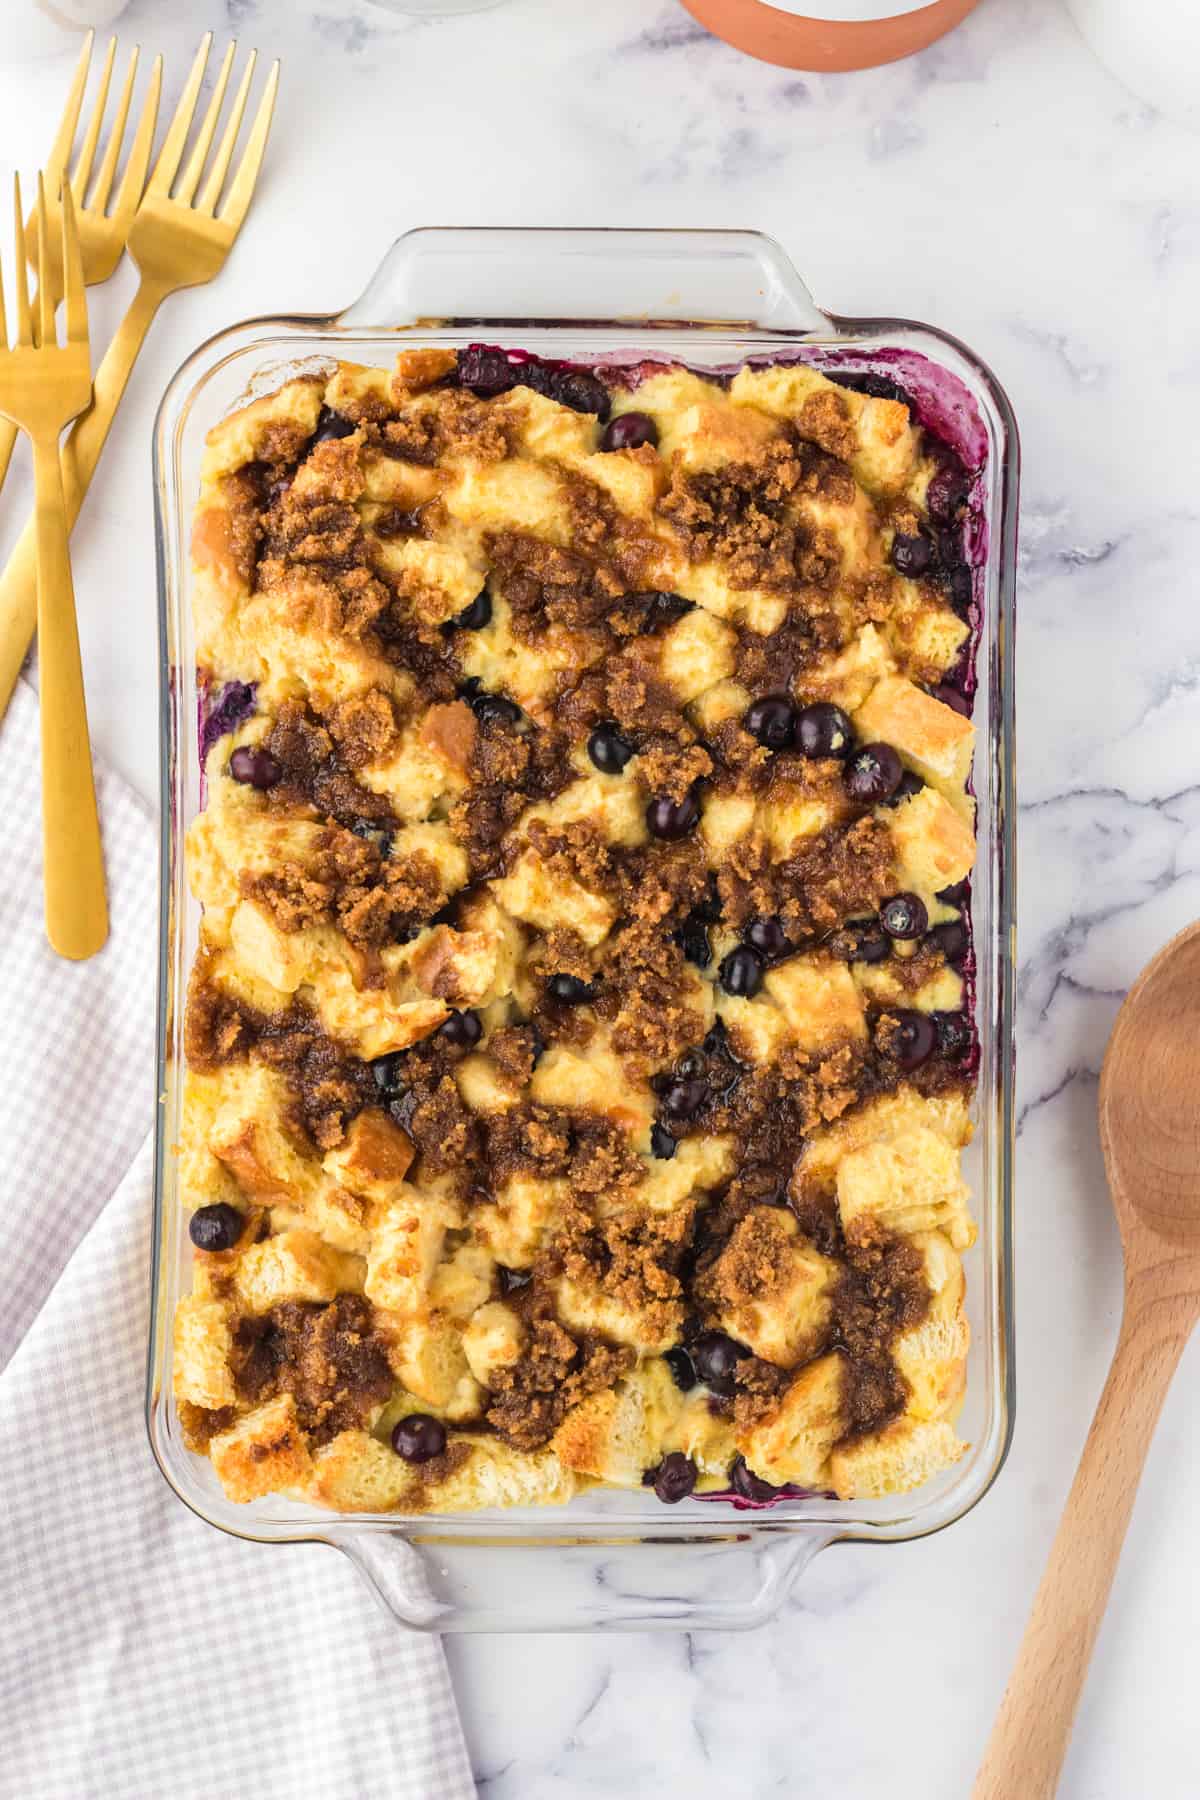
(502, 275)
(730, 1580)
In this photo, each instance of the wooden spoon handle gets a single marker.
(1033, 1728)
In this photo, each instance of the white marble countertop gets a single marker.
(1003, 186)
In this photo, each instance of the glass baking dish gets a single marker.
(607, 1560)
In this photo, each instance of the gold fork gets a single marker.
(101, 234)
(177, 241)
(43, 386)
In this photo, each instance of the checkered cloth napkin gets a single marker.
(142, 1653)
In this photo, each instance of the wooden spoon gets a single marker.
(1150, 1134)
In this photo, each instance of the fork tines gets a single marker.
(133, 181)
(41, 333)
(163, 182)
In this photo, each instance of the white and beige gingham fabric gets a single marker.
(143, 1654)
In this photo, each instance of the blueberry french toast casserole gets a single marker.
(579, 1042)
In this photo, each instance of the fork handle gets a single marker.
(8, 437)
(80, 454)
(76, 906)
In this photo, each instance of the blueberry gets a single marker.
(372, 832)
(478, 614)
(680, 1365)
(947, 491)
(666, 818)
(750, 1486)
(662, 608)
(662, 1144)
(904, 916)
(512, 1280)
(402, 1105)
(949, 695)
(581, 392)
(873, 774)
(675, 1478)
(772, 720)
(683, 1099)
(216, 1227)
(955, 894)
(332, 424)
(715, 1357)
(628, 431)
(879, 387)
(910, 784)
(692, 1065)
(953, 1035)
(873, 946)
(462, 1029)
(494, 709)
(692, 938)
(386, 1070)
(911, 556)
(768, 937)
(537, 375)
(568, 990)
(486, 372)
(741, 972)
(824, 730)
(960, 584)
(913, 1040)
(419, 1438)
(709, 908)
(609, 750)
(951, 939)
(255, 767)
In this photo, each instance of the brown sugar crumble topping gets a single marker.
(578, 1048)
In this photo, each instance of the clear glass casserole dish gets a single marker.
(608, 1560)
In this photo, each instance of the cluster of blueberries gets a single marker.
(710, 1357)
(488, 372)
(936, 552)
(708, 1072)
(873, 773)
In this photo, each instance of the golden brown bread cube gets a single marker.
(583, 1306)
(792, 1444)
(493, 1474)
(294, 1265)
(373, 1157)
(545, 898)
(354, 1472)
(428, 1357)
(203, 1341)
(818, 1000)
(493, 1338)
(908, 1453)
(911, 1184)
(406, 1246)
(931, 737)
(782, 1309)
(263, 1453)
(251, 1135)
(613, 1436)
(932, 1356)
(934, 845)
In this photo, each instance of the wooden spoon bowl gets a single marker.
(1150, 1135)
(1150, 1102)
